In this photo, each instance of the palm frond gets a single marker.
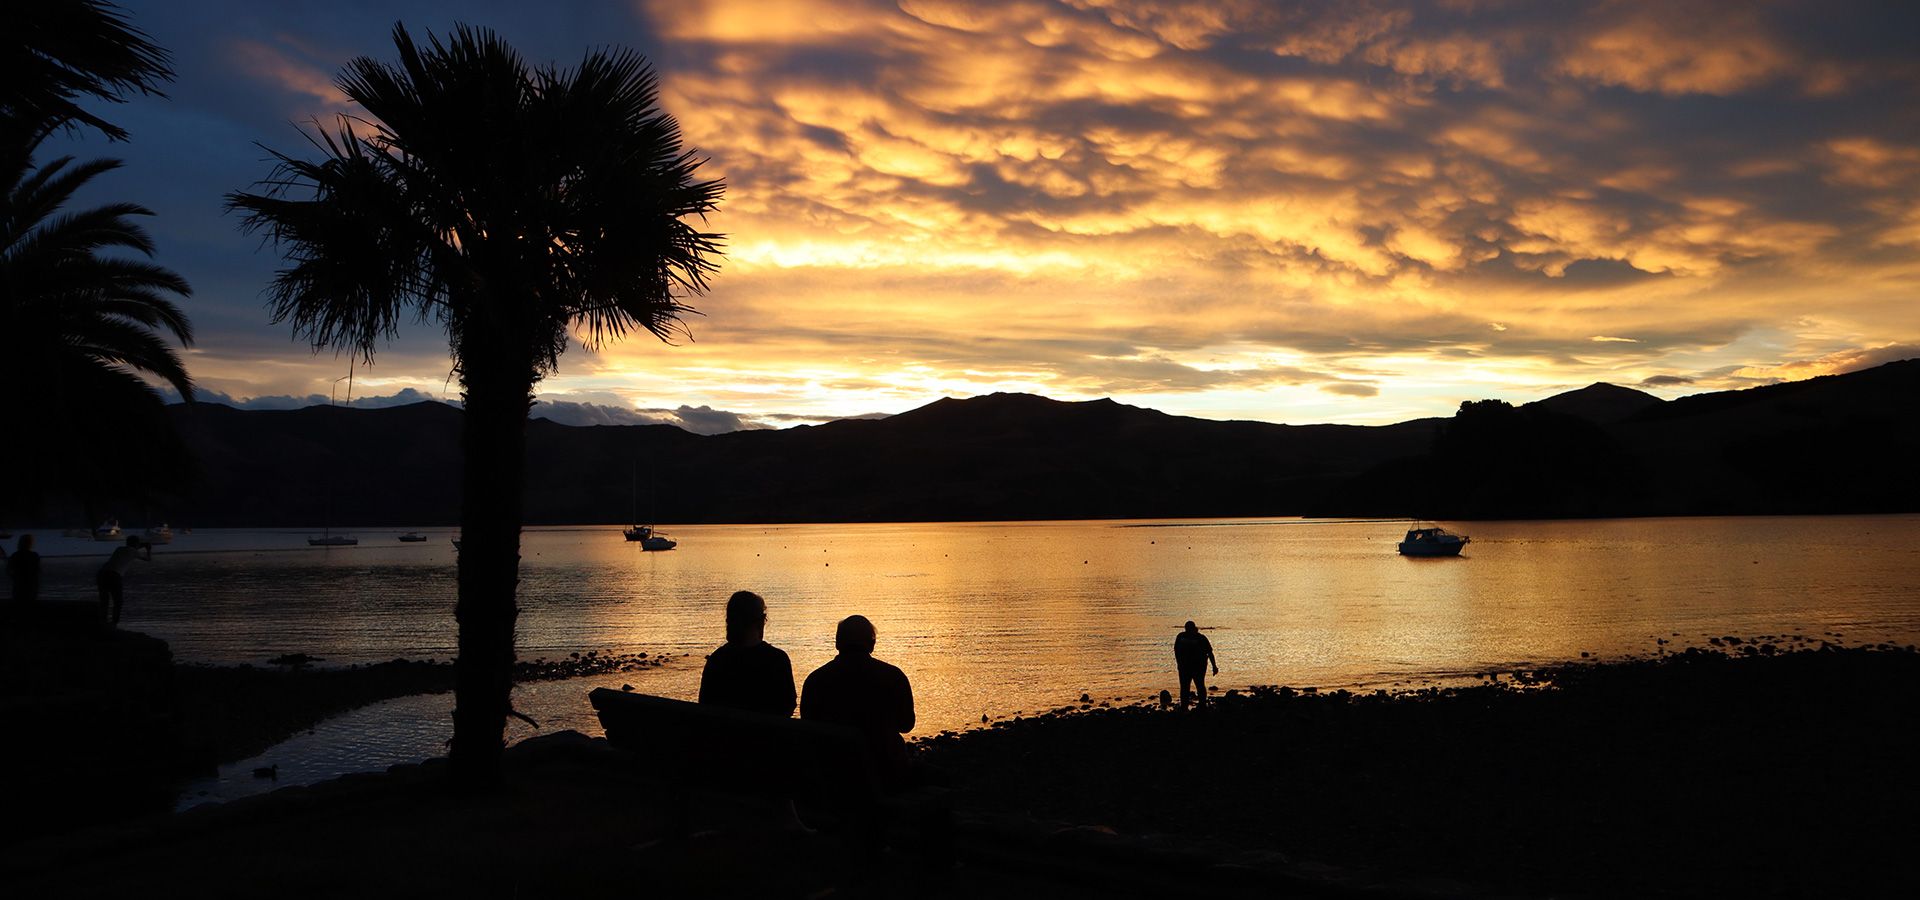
(514, 204)
(65, 305)
(354, 249)
(57, 51)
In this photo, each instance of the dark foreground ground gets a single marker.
(105, 725)
(1702, 773)
(1706, 773)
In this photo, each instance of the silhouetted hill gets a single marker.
(1838, 444)
(1600, 402)
(1835, 444)
(1000, 456)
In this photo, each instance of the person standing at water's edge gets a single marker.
(113, 573)
(23, 568)
(857, 690)
(1192, 652)
(746, 672)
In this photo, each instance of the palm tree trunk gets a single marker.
(494, 440)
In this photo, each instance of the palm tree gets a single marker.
(512, 205)
(55, 51)
(78, 331)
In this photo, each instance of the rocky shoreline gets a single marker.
(1781, 766)
(292, 696)
(1750, 770)
(118, 726)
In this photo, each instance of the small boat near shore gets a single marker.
(158, 534)
(108, 531)
(414, 537)
(650, 539)
(1433, 542)
(329, 539)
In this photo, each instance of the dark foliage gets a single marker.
(53, 53)
(81, 329)
(511, 205)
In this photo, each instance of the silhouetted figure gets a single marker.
(746, 672)
(1191, 653)
(113, 574)
(857, 690)
(23, 568)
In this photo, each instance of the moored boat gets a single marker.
(159, 534)
(650, 539)
(329, 539)
(412, 537)
(1433, 542)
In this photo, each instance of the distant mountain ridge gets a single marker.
(1842, 443)
(1600, 402)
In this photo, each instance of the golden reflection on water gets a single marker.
(994, 618)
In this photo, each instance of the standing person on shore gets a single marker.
(111, 579)
(23, 569)
(746, 672)
(1192, 652)
(871, 696)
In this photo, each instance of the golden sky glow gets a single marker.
(1299, 212)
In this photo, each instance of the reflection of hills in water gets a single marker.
(1836, 444)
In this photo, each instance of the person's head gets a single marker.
(855, 635)
(1192, 627)
(26, 543)
(746, 617)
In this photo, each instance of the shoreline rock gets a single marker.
(1701, 772)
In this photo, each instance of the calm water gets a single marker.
(999, 618)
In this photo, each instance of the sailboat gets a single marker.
(327, 538)
(648, 538)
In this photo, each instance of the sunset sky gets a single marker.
(1291, 212)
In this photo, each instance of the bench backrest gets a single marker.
(735, 749)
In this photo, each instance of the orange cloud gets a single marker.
(1348, 211)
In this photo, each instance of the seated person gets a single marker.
(746, 672)
(856, 690)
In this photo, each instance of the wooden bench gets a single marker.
(826, 770)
